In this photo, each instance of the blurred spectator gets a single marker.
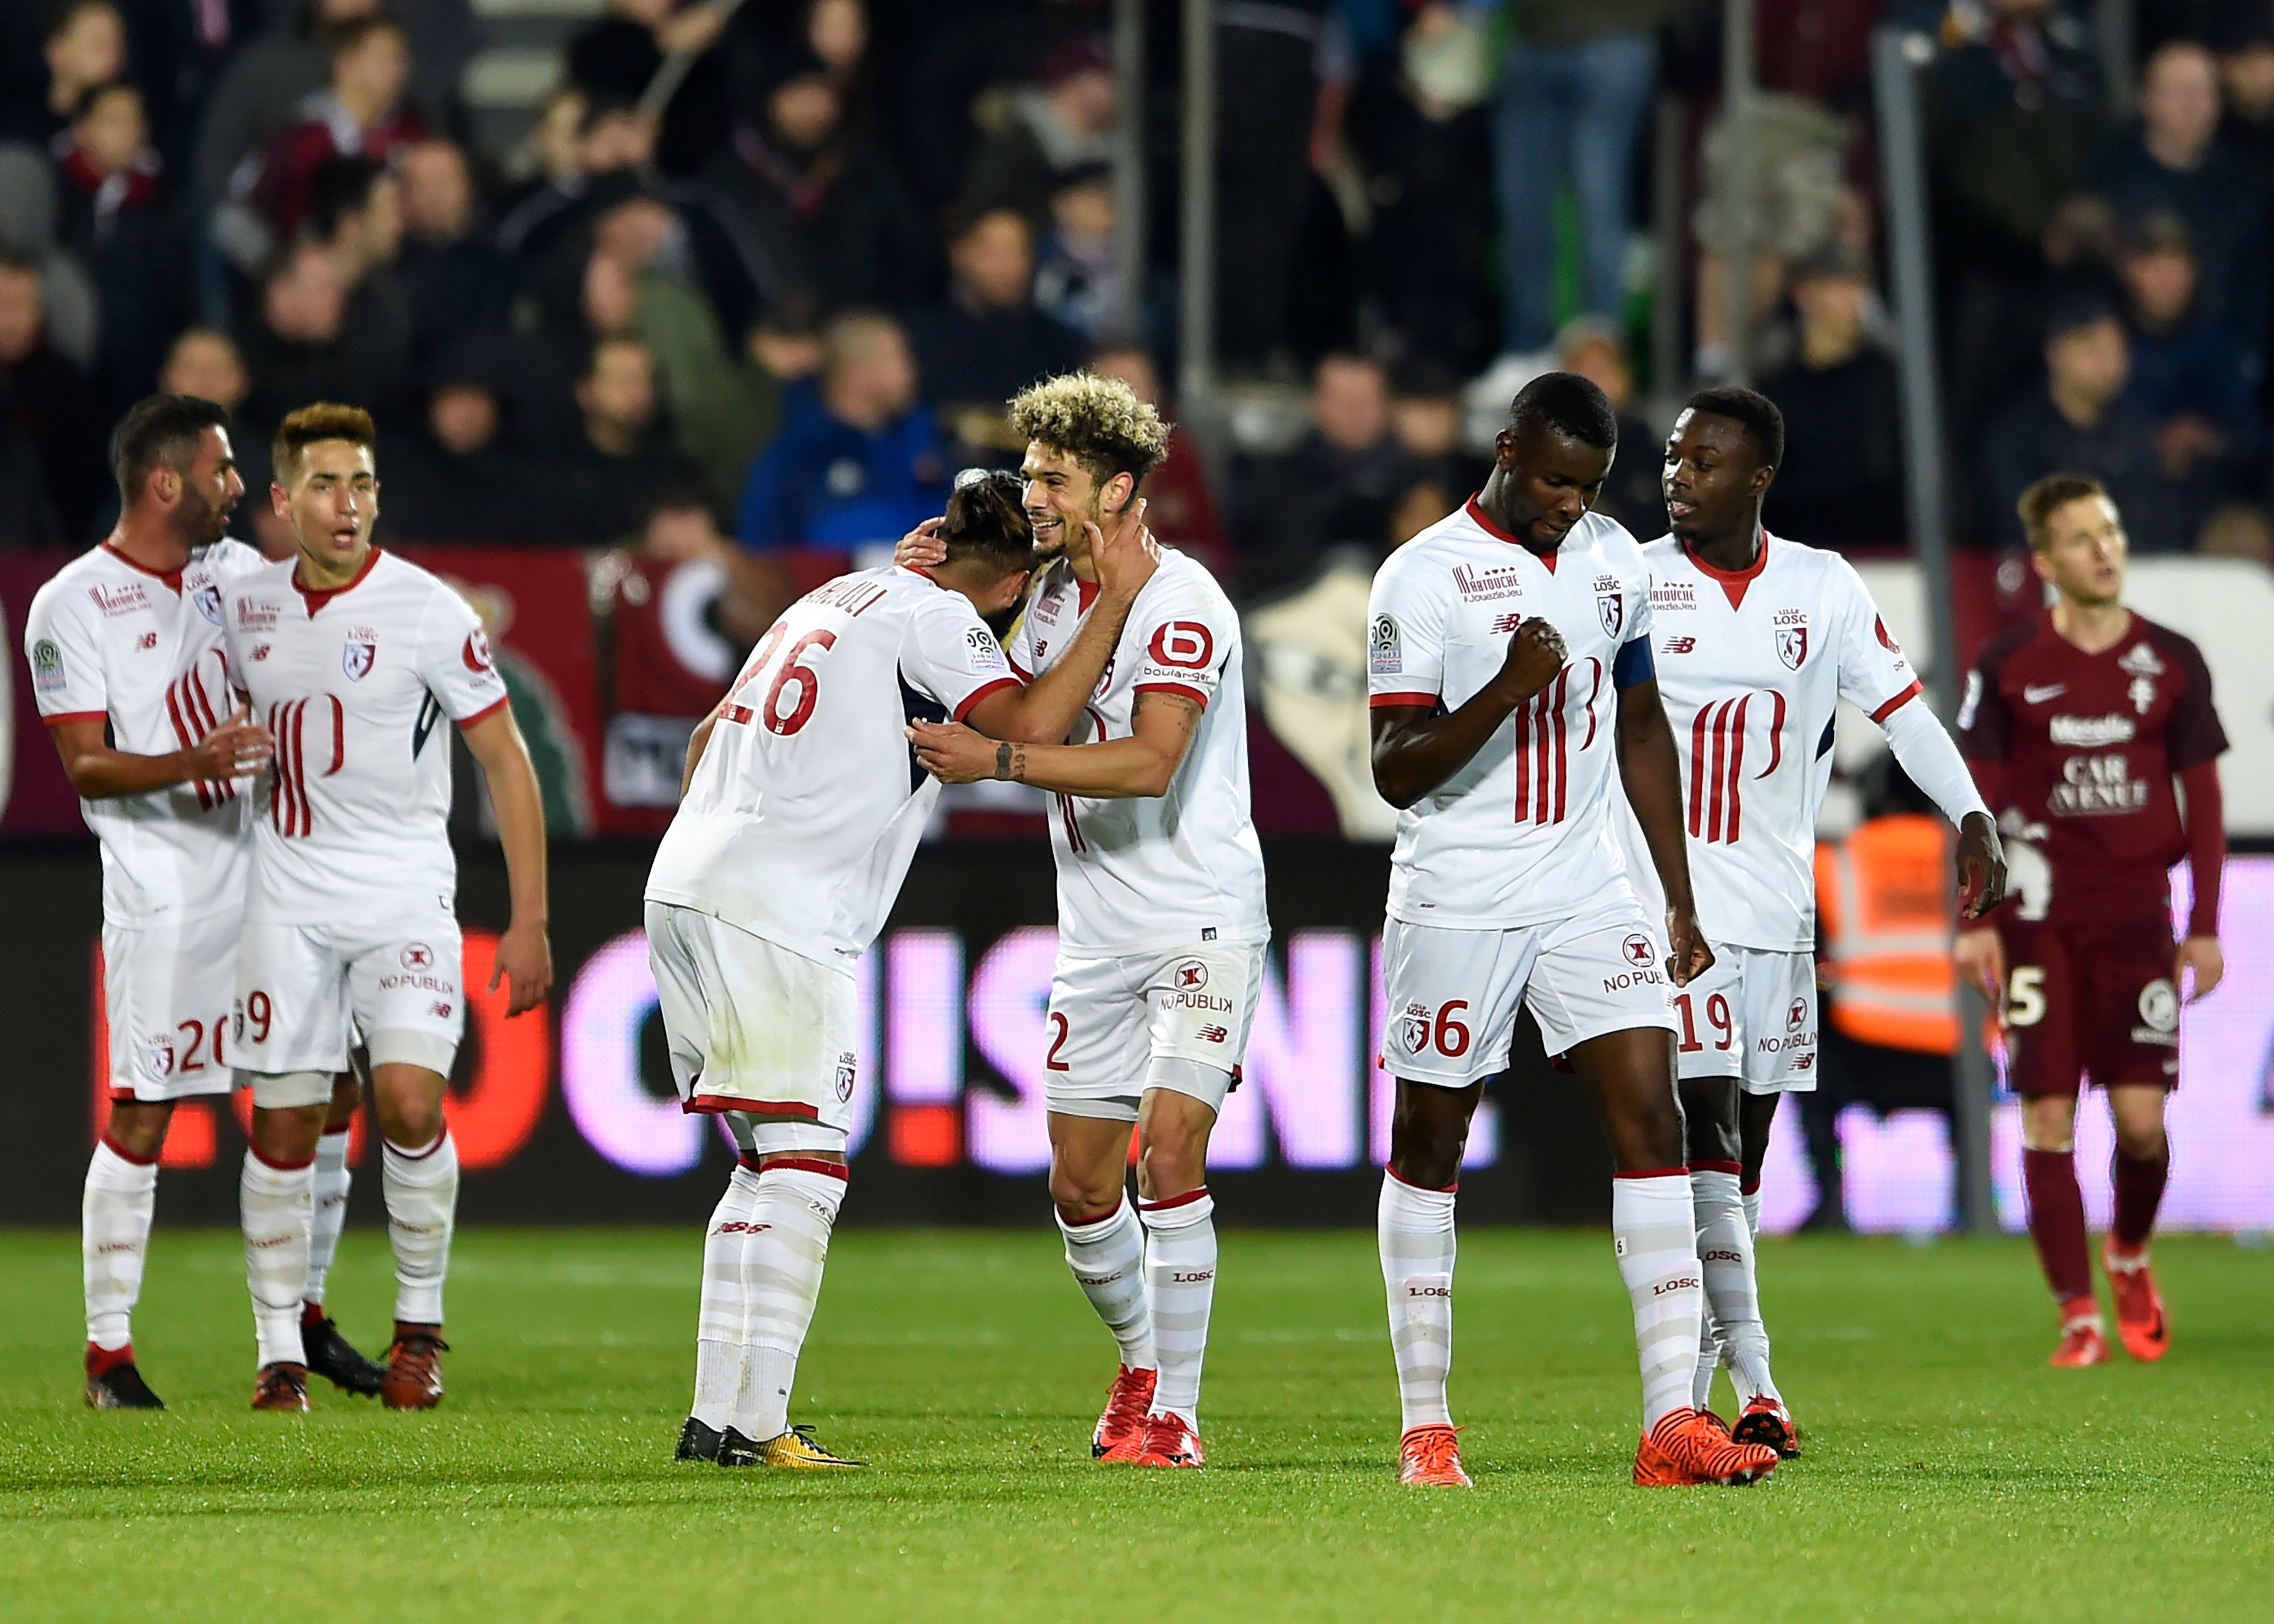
(2170, 163)
(28, 212)
(681, 530)
(300, 347)
(2246, 74)
(264, 82)
(837, 32)
(47, 402)
(1574, 89)
(27, 519)
(355, 211)
(859, 460)
(452, 275)
(1841, 481)
(2188, 381)
(1631, 494)
(361, 113)
(1077, 278)
(206, 362)
(1425, 415)
(1179, 508)
(2077, 423)
(125, 230)
(1063, 120)
(604, 485)
(833, 217)
(458, 479)
(618, 57)
(84, 46)
(1339, 486)
(986, 340)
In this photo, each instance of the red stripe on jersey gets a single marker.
(200, 706)
(1019, 671)
(1697, 725)
(1386, 702)
(972, 699)
(1562, 762)
(1594, 690)
(62, 717)
(1738, 765)
(339, 735)
(483, 714)
(1776, 734)
(1721, 761)
(1073, 828)
(1523, 759)
(182, 732)
(1896, 703)
(1188, 691)
(280, 792)
(300, 766)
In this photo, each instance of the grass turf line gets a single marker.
(1949, 1473)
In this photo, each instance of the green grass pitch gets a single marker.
(1949, 1473)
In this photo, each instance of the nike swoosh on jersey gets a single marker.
(2034, 696)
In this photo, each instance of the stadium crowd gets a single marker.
(798, 298)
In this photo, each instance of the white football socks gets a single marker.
(114, 1240)
(1414, 1228)
(1179, 1290)
(331, 1210)
(719, 1324)
(1108, 1260)
(1656, 1236)
(274, 1204)
(795, 1208)
(1725, 1253)
(422, 1206)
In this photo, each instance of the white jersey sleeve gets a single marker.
(65, 648)
(951, 657)
(1874, 675)
(1405, 637)
(1186, 637)
(453, 659)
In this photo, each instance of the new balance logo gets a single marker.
(1505, 624)
(737, 1226)
(1682, 645)
(1214, 1034)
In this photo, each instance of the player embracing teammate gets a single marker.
(1161, 928)
(1512, 685)
(1757, 640)
(2090, 729)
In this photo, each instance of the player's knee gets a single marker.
(1171, 1160)
(2140, 1132)
(1082, 1195)
(2049, 1125)
(138, 1130)
(1709, 1114)
(1426, 1149)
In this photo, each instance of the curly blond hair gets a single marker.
(1098, 422)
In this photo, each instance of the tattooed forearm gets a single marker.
(1011, 762)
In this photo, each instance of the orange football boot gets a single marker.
(2082, 1340)
(1429, 1457)
(2140, 1322)
(1170, 1440)
(1120, 1432)
(1685, 1449)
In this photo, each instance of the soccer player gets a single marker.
(1161, 928)
(1511, 680)
(802, 809)
(1757, 639)
(353, 657)
(2077, 722)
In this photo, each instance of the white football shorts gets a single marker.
(1453, 995)
(167, 994)
(1752, 1017)
(756, 1029)
(305, 990)
(1119, 1025)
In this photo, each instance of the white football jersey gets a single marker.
(1751, 666)
(1140, 873)
(356, 683)
(807, 806)
(1523, 834)
(110, 641)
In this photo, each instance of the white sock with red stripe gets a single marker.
(1108, 1260)
(1413, 1228)
(1750, 1195)
(1725, 1254)
(1656, 1234)
(795, 1209)
(422, 1211)
(114, 1241)
(331, 1214)
(1180, 1290)
(719, 1323)
(274, 1205)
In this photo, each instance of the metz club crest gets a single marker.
(357, 657)
(1611, 609)
(1792, 645)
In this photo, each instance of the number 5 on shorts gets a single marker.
(2025, 996)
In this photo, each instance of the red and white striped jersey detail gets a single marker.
(1543, 754)
(288, 800)
(1717, 769)
(193, 714)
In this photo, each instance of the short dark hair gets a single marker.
(1568, 403)
(160, 431)
(987, 521)
(343, 37)
(2047, 497)
(305, 426)
(1751, 410)
(340, 186)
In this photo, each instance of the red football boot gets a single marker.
(2140, 1322)
(1429, 1457)
(1120, 1432)
(1170, 1440)
(1685, 1449)
(2082, 1340)
(414, 1368)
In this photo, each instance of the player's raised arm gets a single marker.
(1651, 772)
(1417, 748)
(524, 954)
(1044, 711)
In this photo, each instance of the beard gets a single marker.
(201, 523)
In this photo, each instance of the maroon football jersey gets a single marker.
(2087, 747)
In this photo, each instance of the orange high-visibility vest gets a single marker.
(1884, 896)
